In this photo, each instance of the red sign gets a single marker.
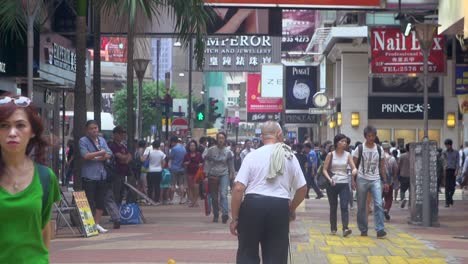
(180, 127)
(257, 104)
(290, 3)
(393, 53)
(113, 49)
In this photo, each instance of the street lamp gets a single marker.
(140, 66)
(425, 33)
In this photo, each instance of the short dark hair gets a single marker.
(174, 139)
(308, 145)
(91, 122)
(194, 142)
(156, 144)
(369, 129)
(221, 133)
(448, 141)
(339, 137)
(142, 143)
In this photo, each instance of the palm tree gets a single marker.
(190, 20)
(79, 107)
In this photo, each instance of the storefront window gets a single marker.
(434, 134)
(384, 134)
(404, 136)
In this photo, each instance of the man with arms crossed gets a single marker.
(268, 177)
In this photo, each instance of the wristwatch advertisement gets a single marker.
(301, 85)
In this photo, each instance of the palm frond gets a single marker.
(190, 17)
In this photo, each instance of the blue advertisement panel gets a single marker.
(301, 85)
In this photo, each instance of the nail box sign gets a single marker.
(393, 53)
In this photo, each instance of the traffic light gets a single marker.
(200, 112)
(212, 109)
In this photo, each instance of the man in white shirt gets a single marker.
(247, 149)
(267, 207)
(370, 162)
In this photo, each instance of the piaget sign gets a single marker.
(241, 53)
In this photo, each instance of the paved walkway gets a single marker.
(188, 236)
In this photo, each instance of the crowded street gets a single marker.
(186, 235)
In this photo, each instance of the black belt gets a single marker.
(262, 197)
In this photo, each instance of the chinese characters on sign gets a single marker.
(393, 53)
(241, 53)
(86, 215)
(62, 57)
(404, 107)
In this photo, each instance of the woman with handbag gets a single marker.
(335, 171)
(193, 162)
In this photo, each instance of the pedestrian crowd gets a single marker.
(267, 178)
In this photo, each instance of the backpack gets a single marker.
(360, 149)
(44, 178)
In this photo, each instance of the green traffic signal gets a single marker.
(200, 116)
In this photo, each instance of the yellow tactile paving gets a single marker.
(356, 259)
(337, 259)
(376, 260)
(396, 260)
(416, 260)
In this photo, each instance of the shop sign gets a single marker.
(301, 85)
(258, 104)
(300, 118)
(272, 80)
(393, 53)
(2, 67)
(461, 87)
(263, 117)
(404, 108)
(241, 53)
(62, 58)
(301, 3)
(113, 49)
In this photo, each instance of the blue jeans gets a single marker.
(219, 185)
(375, 187)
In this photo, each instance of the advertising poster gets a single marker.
(259, 108)
(298, 29)
(301, 85)
(393, 53)
(461, 87)
(86, 215)
(404, 84)
(113, 49)
(244, 21)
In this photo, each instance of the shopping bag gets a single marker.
(200, 175)
(130, 214)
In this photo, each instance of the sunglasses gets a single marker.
(21, 101)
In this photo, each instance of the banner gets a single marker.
(461, 87)
(301, 85)
(258, 104)
(298, 29)
(86, 215)
(393, 53)
(298, 3)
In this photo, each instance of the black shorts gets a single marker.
(95, 192)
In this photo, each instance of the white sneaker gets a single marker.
(101, 229)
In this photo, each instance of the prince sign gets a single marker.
(393, 53)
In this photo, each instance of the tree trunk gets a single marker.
(97, 64)
(130, 111)
(79, 107)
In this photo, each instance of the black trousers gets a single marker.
(450, 184)
(154, 185)
(341, 190)
(263, 220)
(404, 186)
(95, 192)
